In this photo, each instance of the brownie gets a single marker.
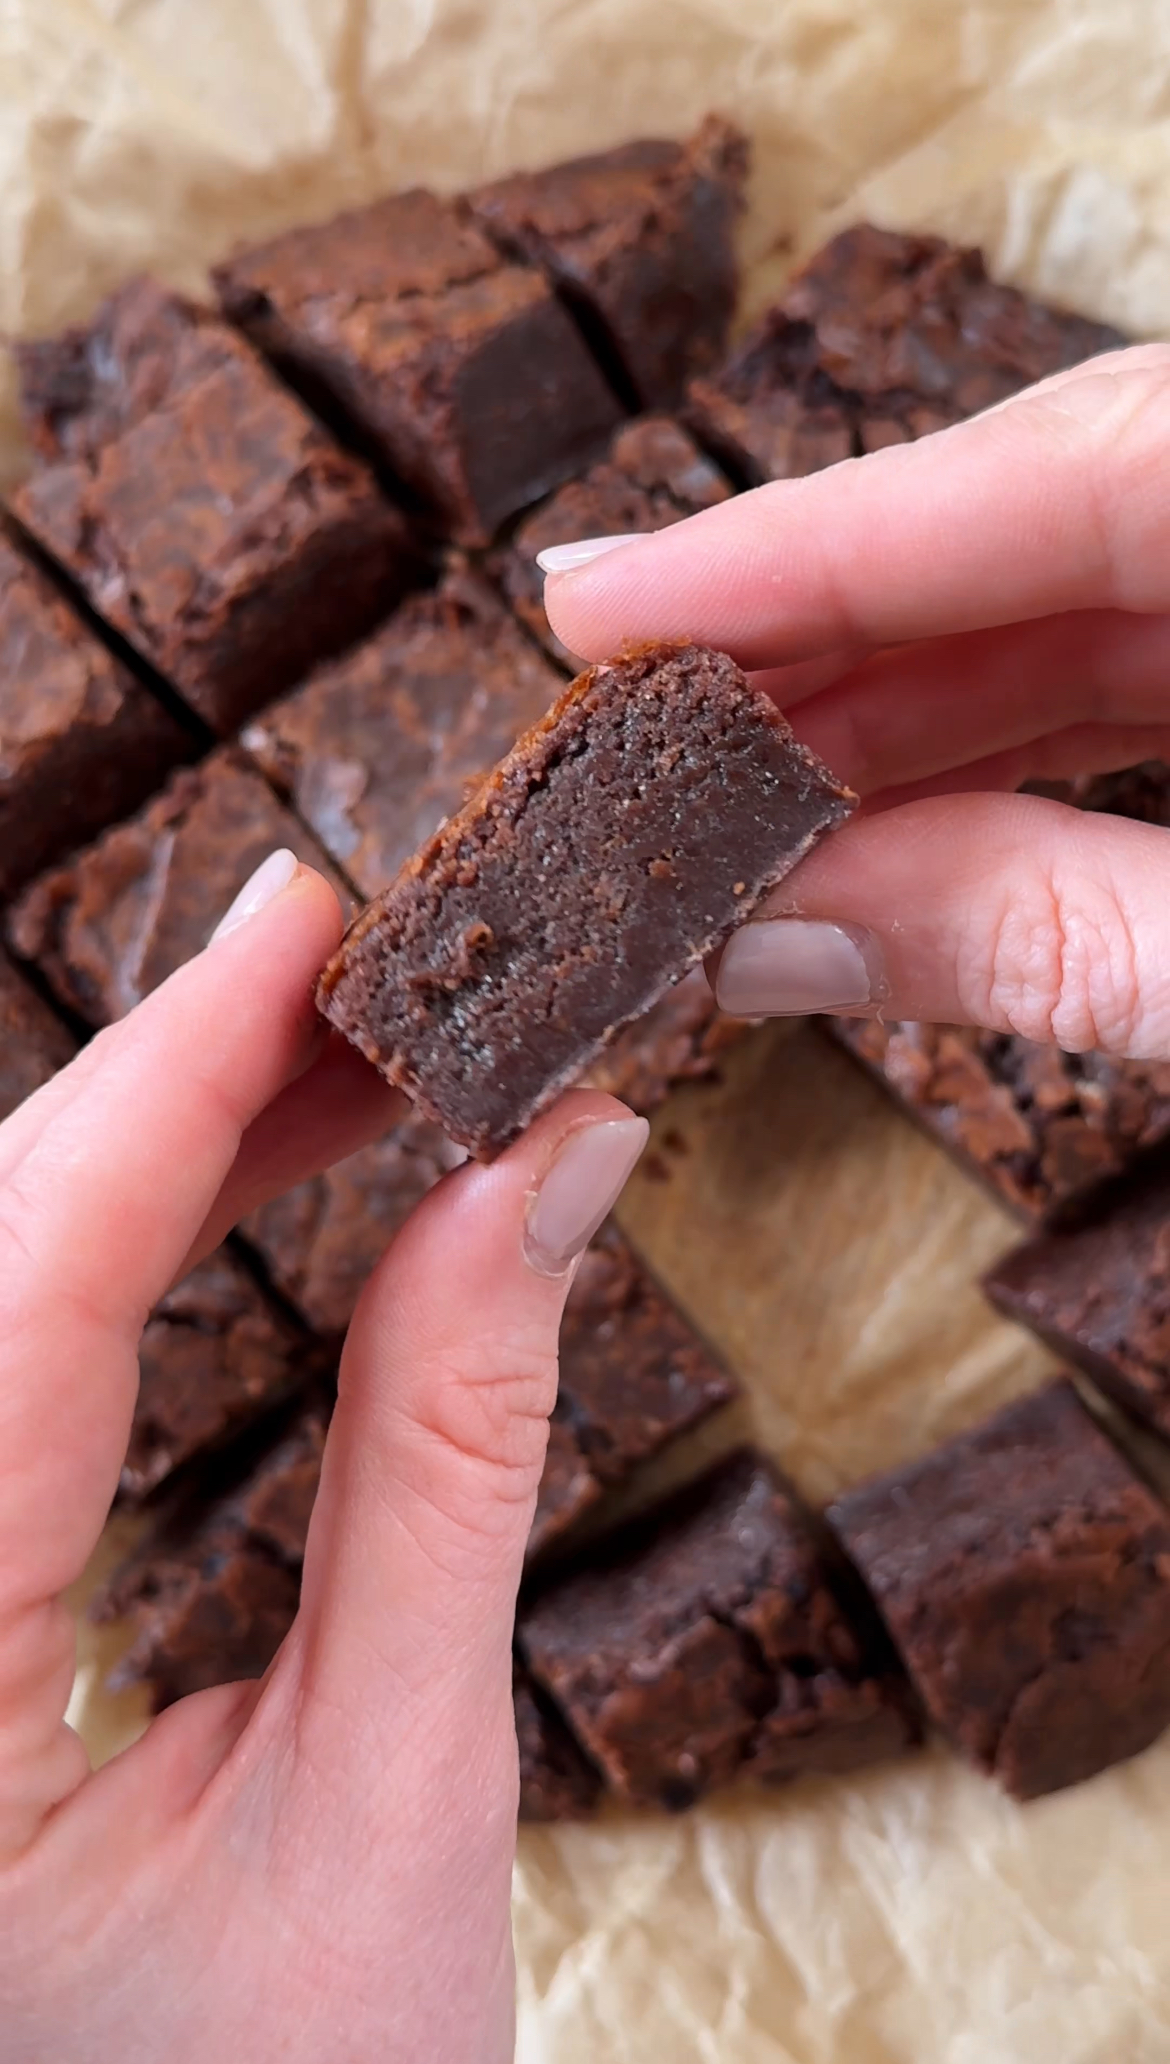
(109, 924)
(616, 845)
(1023, 1570)
(641, 243)
(219, 529)
(716, 1635)
(557, 1781)
(633, 1377)
(1040, 1126)
(215, 1355)
(212, 1589)
(378, 748)
(682, 1038)
(80, 389)
(460, 372)
(33, 1041)
(882, 338)
(654, 475)
(1096, 1286)
(1141, 792)
(320, 1241)
(81, 741)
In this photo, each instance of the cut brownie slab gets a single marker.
(620, 841)
(321, 1240)
(641, 242)
(109, 924)
(1040, 1126)
(654, 475)
(880, 339)
(460, 372)
(1096, 1287)
(714, 1636)
(633, 1377)
(377, 749)
(81, 741)
(33, 1042)
(212, 1589)
(214, 1356)
(1023, 1570)
(557, 1781)
(200, 509)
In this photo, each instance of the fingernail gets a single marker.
(272, 875)
(565, 558)
(582, 1186)
(786, 966)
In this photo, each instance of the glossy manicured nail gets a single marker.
(783, 967)
(272, 875)
(566, 558)
(581, 1187)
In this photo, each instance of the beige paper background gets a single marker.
(910, 1916)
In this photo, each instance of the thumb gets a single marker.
(437, 1444)
(1005, 911)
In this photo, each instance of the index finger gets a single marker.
(1053, 501)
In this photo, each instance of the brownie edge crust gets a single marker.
(623, 837)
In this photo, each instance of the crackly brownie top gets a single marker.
(379, 747)
(608, 196)
(54, 672)
(85, 386)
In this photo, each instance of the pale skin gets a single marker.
(319, 1866)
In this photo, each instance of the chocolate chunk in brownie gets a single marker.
(1023, 1570)
(654, 475)
(321, 1240)
(633, 1377)
(713, 1636)
(109, 924)
(615, 846)
(214, 1356)
(81, 741)
(220, 530)
(211, 1590)
(458, 371)
(1096, 1286)
(557, 1781)
(1040, 1126)
(880, 339)
(378, 748)
(641, 242)
(33, 1041)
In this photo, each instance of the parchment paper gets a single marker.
(910, 1916)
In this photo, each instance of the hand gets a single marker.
(318, 1866)
(943, 621)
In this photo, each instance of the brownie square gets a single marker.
(378, 748)
(713, 1637)
(214, 1356)
(81, 741)
(212, 1589)
(880, 339)
(1041, 1127)
(220, 529)
(557, 1781)
(1096, 1286)
(654, 475)
(622, 838)
(458, 371)
(641, 242)
(1023, 1570)
(34, 1043)
(320, 1241)
(682, 1038)
(633, 1377)
(113, 921)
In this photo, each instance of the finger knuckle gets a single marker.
(1060, 964)
(494, 1422)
